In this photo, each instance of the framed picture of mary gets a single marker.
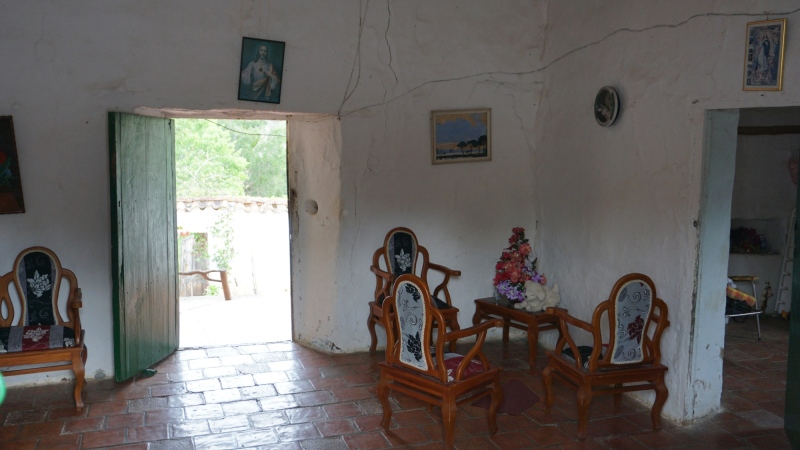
(261, 70)
(763, 55)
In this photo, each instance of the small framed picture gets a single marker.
(606, 106)
(10, 182)
(763, 55)
(461, 136)
(261, 70)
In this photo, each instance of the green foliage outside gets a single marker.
(230, 158)
(223, 230)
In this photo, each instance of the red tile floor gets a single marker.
(284, 396)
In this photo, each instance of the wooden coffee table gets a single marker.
(533, 323)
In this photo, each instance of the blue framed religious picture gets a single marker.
(763, 55)
(10, 182)
(461, 136)
(261, 70)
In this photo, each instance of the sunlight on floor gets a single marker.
(208, 321)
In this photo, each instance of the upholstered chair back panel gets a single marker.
(631, 310)
(37, 276)
(402, 253)
(411, 307)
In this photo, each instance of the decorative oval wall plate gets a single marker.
(606, 106)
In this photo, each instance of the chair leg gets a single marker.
(371, 326)
(661, 398)
(584, 400)
(449, 410)
(79, 368)
(383, 396)
(547, 378)
(497, 400)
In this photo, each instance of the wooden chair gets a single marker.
(631, 355)
(401, 254)
(37, 333)
(442, 379)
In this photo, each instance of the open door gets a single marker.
(143, 241)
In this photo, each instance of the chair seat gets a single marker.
(451, 362)
(584, 350)
(35, 337)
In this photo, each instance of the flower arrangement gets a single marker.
(515, 268)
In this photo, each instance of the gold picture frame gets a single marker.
(763, 55)
(461, 136)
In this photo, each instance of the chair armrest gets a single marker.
(383, 282)
(381, 273)
(473, 330)
(442, 287)
(76, 305)
(564, 315)
(445, 270)
(566, 338)
(479, 331)
(77, 300)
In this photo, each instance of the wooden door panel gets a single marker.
(144, 260)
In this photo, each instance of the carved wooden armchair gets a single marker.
(629, 361)
(35, 332)
(440, 379)
(401, 254)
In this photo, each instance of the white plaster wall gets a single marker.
(623, 199)
(599, 202)
(381, 67)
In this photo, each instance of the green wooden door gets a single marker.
(143, 241)
(791, 416)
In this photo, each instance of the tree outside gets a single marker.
(229, 158)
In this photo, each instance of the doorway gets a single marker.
(754, 401)
(232, 221)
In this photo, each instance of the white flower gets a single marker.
(35, 335)
(403, 260)
(39, 284)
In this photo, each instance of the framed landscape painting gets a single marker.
(10, 182)
(461, 136)
(261, 70)
(763, 56)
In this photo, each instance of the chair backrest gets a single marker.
(401, 254)
(637, 318)
(408, 316)
(38, 276)
(400, 251)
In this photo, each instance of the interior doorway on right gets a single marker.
(761, 248)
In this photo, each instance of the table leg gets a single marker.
(476, 318)
(505, 330)
(533, 340)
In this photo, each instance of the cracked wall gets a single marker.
(360, 79)
(623, 199)
(597, 202)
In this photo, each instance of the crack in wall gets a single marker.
(356, 61)
(386, 38)
(489, 74)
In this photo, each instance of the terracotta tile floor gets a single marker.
(284, 396)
